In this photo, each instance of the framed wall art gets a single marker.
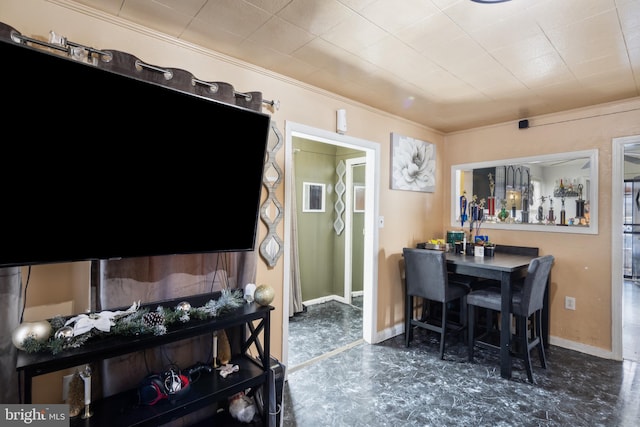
(413, 164)
(313, 197)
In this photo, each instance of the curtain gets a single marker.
(10, 301)
(295, 292)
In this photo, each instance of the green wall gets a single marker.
(320, 249)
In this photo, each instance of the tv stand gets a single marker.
(122, 409)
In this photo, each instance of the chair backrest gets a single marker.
(535, 284)
(426, 273)
(517, 250)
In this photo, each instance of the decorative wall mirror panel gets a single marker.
(271, 211)
(555, 192)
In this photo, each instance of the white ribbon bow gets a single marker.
(102, 321)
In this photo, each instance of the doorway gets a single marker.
(371, 154)
(625, 328)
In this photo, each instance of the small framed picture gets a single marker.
(313, 197)
(358, 198)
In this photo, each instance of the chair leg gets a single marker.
(463, 317)
(524, 345)
(443, 331)
(538, 334)
(408, 314)
(471, 317)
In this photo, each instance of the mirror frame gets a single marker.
(592, 196)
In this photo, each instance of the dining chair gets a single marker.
(526, 307)
(426, 276)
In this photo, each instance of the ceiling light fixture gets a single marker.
(489, 1)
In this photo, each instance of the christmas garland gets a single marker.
(75, 332)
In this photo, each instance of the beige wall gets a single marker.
(583, 261)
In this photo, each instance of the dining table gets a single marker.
(506, 268)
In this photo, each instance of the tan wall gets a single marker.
(583, 267)
(583, 262)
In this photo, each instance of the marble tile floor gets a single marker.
(387, 384)
(323, 329)
(631, 328)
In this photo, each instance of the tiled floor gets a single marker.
(631, 329)
(323, 329)
(387, 384)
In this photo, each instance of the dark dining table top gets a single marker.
(500, 261)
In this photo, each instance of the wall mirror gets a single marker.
(555, 193)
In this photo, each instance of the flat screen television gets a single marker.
(98, 165)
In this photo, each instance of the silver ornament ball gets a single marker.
(184, 306)
(65, 333)
(264, 295)
(39, 331)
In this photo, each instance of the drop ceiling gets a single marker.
(448, 64)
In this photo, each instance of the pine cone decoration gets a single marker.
(153, 318)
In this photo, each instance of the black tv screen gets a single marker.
(98, 165)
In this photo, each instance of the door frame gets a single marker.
(372, 194)
(617, 250)
(348, 225)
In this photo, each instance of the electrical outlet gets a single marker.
(570, 303)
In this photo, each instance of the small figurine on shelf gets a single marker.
(491, 202)
(86, 377)
(580, 207)
(563, 213)
(504, 213)
(481, 216)
(540, 216)
(463, 208)
(525, 204)
(551, 218)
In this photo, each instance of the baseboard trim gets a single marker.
(582, 348)
(398, 329)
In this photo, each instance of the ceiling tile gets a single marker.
(280, 36)
(156, 16)
(212, 37)
(271, 6)
(603, 64)
(427, 34)
(183, 7)
(354, 33)
(236, 17)
(393, 16)
(316, 17)
(554, 15)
